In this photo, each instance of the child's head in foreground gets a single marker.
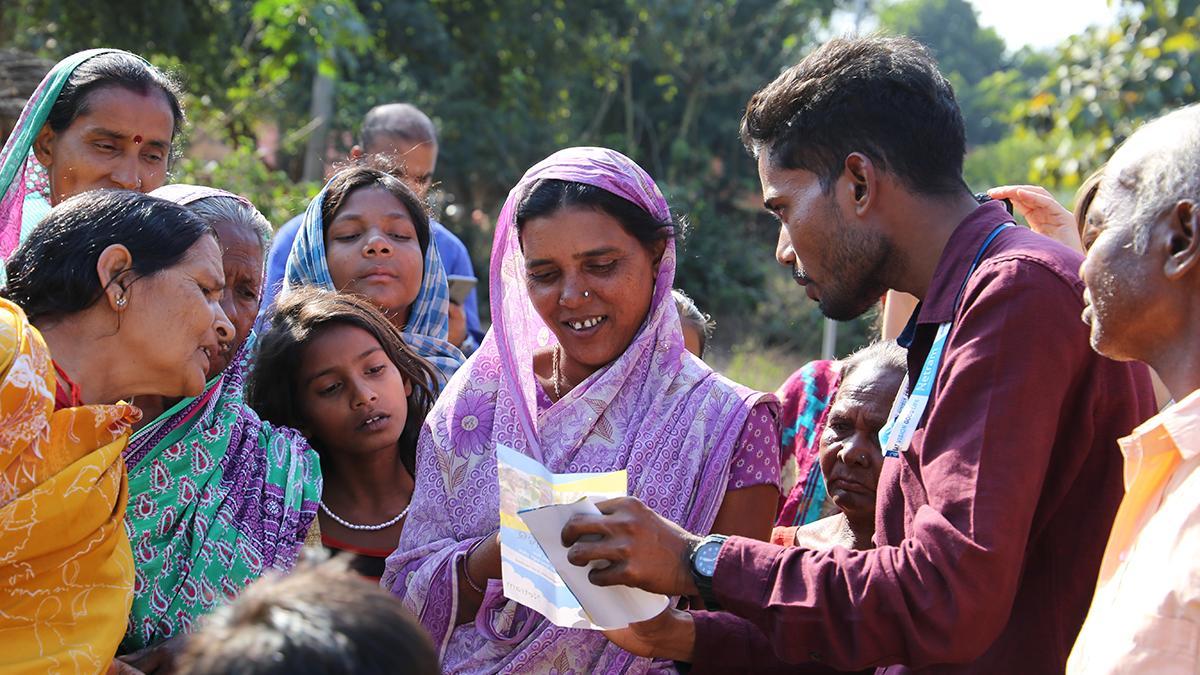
(320, 619)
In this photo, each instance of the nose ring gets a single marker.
(587, 294)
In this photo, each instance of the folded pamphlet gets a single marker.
(535, 504)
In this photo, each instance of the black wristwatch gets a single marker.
(703, 559)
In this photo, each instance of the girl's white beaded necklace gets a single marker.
(352, 526)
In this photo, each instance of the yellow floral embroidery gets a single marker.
(66, 570)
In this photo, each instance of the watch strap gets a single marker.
(704, 582)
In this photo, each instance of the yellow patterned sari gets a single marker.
(66, 570)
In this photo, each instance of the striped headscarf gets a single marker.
(428, 327)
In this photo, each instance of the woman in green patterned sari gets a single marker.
(216, 496)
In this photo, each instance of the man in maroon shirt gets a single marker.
(995, 507)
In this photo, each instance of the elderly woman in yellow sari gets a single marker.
(114, 294)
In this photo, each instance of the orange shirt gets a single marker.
(1145, 616)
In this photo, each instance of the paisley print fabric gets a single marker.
(217, 496)
(805, 399)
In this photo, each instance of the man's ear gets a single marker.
(112, 270)
(1182, 240)
(859, 172)
(43, 146)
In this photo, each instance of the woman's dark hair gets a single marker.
(1084, 196)
(319, 619)
(881, 96)
(361, 176)
(53, 274)
(297, 319)
(115, 69)
(550, 195)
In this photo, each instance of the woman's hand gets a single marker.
(157, 658)
(119, 667)
(458, 324)
(1044, 215)
(670, 635)
(481, 563)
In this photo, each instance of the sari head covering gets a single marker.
(428, 327)
(24, 184)
(804, 399)
(184, 194)
(217, 496)
(656, 411)
(66, 574)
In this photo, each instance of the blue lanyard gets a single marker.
(908, 409)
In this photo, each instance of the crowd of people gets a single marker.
(231, 448)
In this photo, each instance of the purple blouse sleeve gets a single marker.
(756, 458)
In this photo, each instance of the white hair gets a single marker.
(217, 209)
(1160, 163)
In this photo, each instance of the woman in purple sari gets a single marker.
(584, 370)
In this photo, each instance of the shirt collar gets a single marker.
(1181, 422)
(1176, 429)
(938, 305)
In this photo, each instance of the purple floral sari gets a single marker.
(656, 411)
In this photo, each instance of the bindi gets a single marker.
(137, 139)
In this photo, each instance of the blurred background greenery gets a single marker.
(276, 88)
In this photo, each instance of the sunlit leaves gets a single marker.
(1108, 81)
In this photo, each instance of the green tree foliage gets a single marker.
(968, 54)
(988, 81)
(1104, 83)
(507, 81)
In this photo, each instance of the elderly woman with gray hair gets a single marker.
(216, 495)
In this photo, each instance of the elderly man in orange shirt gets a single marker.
(1143, 281)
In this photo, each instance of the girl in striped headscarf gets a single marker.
(366, 233)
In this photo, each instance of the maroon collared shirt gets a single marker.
(991, 526)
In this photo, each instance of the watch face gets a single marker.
(706, 557)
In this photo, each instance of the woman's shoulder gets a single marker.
(12, 319)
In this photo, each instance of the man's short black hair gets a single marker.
(881, 96)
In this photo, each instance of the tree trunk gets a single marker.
(629, 137)
(321, 114)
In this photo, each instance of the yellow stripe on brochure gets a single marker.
(511, 520)
(603, 483)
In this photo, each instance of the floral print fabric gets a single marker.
(655, 411)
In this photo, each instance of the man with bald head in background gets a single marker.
(1143, 304)
(403, 136)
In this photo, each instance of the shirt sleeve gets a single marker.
(756, 458)
(727, 644)
(281, 248)
(943, 594)
(457, 261)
